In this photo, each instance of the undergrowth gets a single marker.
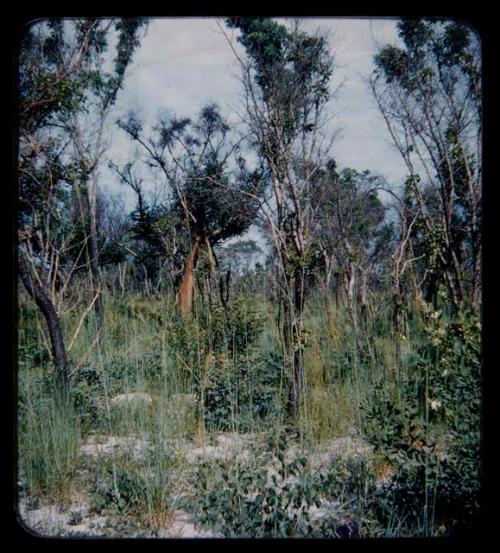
(415, 398)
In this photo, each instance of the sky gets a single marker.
(184, 63)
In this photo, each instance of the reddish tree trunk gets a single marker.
(185, 295)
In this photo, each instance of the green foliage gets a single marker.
(125, 496)
(224, 368)
(117, 376)
(269, 497)
(86, 396)
(75, 517)
(292, 69)
(275, 493)
(236, 385)
(435, 77)
(428, 429)
(348, 480)
(433, 49)
(48, 89)
(30, 352)
(428, 434)
(220, 205)
(242, 395)
(149, 227)
(351, 223)
(213, 201)
(238, 256)
(234, 328)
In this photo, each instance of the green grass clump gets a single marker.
(137, 488)
(48, 445)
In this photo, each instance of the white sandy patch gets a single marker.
(97, 446)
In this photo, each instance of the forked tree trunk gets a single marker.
(42, 300)
(185, 295)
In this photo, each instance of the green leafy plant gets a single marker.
(427, 428)
(241, 393)
(268, 496)
(48, 447)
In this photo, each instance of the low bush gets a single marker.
(271, 495)
(428, 429)
(240, 394)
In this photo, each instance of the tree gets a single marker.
(429, 92)
(286, 86)
(350, 229)
(236, 262)
(87, 130)
(156, 236)
(214, 201)
(238, 256)
(57, 73)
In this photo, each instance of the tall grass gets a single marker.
(219, 370)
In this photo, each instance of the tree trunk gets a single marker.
(337, 286)
(96, 279)
(185, 295)
(94, 257)
(42, 300)
(350, 284)
(350, 277)
(121, 276)
(329, 265)
(296, 345)
(398, 304)
(224, 285)
(363, 290)
(476, 286)
(363, 299)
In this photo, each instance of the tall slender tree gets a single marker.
(286, 75)
(350, 229)
(429, 93)
(87, 130)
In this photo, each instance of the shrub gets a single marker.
(247, 500)
(114, 377)
(87, 396)
(270, 495)
(240, 393)
(428, 429)
(231, 329)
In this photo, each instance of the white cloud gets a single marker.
(184, 63)
(366, 143)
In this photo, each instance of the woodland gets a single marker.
(270, 345)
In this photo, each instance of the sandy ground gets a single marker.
(49, 521)
(76, 520)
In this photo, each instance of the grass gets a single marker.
(216, 372)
